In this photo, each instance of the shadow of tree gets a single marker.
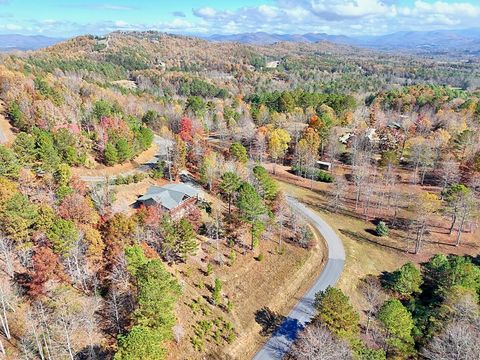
(268, 320)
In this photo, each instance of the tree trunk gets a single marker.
(460, 230)
(454, 220)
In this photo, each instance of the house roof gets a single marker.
(169, 196)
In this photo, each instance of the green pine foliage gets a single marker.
(239, 152)
(153, 318)
(336, 313)
(398, 325)
(406, 280)
(268, 186)
(251, 208)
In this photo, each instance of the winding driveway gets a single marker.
(278, 344)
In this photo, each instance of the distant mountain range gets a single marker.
(25, 42)
(464, 42)
(440, 41)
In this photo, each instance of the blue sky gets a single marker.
(65, 18)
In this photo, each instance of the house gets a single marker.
(176, 199)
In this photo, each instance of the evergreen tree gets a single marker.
(239, 152)
(186, 244)
(46, 151)
(217, 291)
(153, 318)
(406, 280)
(110, 154)
(398, 325)
(268, 187)
(230, 184)
(63, 236)
(9, 165)
(24, 147)
(124, 150)
(336, 313)
(251, 208)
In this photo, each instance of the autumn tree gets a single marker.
(461, 205)
(186, 129)
(209, 169)
(45, 267)
(317, 342)
(278, 140)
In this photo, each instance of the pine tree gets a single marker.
(251, 207)
(217, 291)
(336, 313)
(186, 244)
(398, 325)
(110, 154)
(406, 280)
(9, 165)
(158, 291)
(124, 150)
(239, 152)
(230, 184)
(268, 187)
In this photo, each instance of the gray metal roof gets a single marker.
(169, 196)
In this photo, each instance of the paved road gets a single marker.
(302, 313)
(163, 146)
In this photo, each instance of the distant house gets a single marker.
(272, 64)
(175, 199)
(323, 165)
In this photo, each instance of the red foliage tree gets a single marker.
(186, 129)
(46, 267)
(75, 207)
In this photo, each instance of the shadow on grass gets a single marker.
(356, 236)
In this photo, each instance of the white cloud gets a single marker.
(349, 17)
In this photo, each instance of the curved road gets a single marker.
(277, 346)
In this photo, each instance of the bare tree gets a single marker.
(449, 173)
(338, 193)
(317, 343)
(459, 340)
(374, 296)
(361, 171)
(7, 255)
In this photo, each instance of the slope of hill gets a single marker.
(25, 42)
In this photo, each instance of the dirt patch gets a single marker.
(103, 170)
(7, 135)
